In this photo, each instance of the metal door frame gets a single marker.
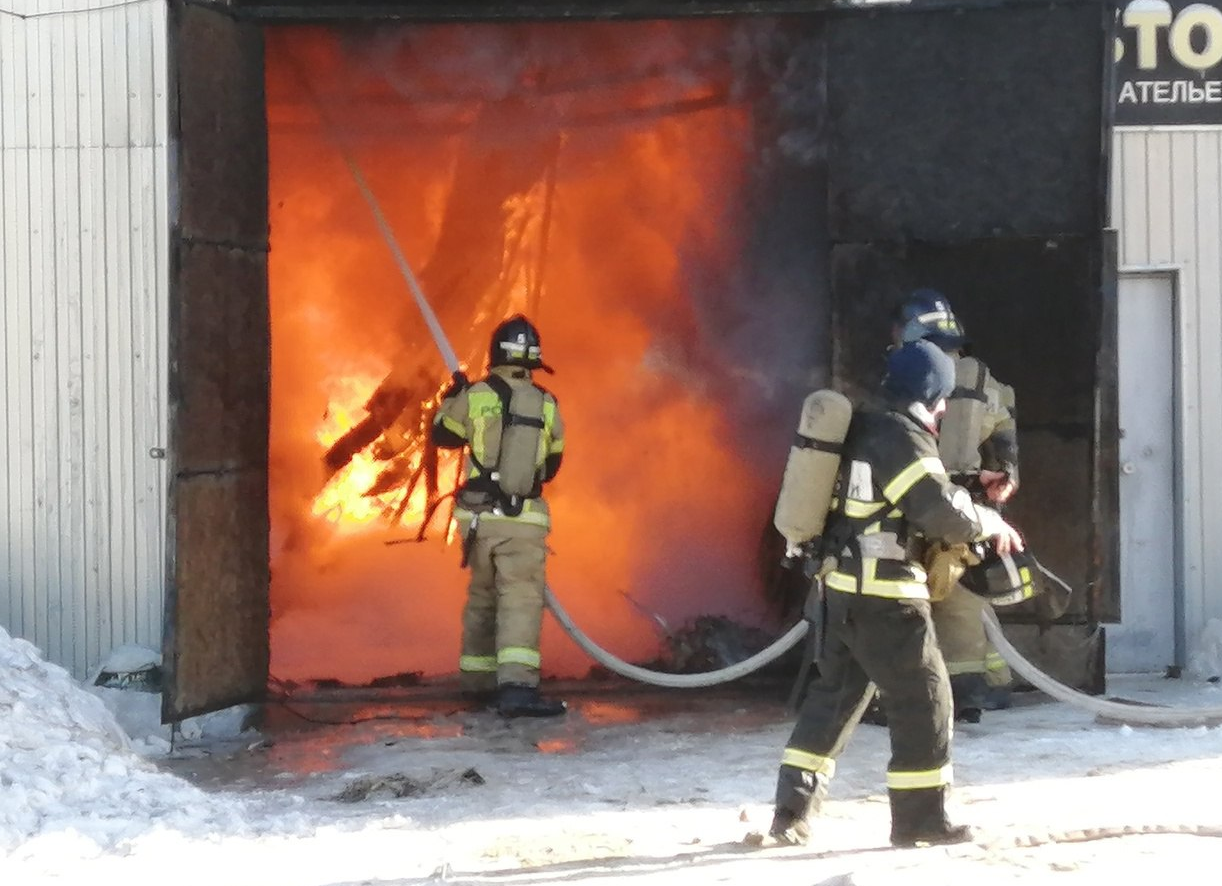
(1173, 273)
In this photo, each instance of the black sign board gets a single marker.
(1169, 63)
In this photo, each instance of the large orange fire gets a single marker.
(591, 175)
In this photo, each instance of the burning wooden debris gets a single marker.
(712, 642)
(706, 643)
(490, 252)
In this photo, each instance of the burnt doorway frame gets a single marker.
(216, 642)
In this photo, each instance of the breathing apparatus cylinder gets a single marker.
(812, 466)
(961, 432)
(518, 460)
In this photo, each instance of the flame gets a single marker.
(347, 503)
(598, 193)
(343, 502)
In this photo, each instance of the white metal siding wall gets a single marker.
(83, 210)
(1167, 207)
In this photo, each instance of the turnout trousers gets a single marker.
(965, 646)
(504, 611)
(874, 641)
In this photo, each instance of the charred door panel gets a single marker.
(953, 123)
(216, 640)
(1107, 436)
(968, 152)
(1031, 309)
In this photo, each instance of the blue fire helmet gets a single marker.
(926, 314)
(919, 371)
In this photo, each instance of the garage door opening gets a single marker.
(648, 193)
(707, 215)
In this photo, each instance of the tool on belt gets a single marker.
(469, 541)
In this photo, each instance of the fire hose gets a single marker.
(1124, 712)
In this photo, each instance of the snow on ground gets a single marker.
(637, 787)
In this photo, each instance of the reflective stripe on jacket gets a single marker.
(893, 495)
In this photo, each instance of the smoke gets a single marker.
(763, 330)
(548, 62)
(651, 194)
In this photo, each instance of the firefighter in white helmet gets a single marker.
(514, 440)
(978, 444)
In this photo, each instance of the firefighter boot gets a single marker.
(520, 700)
(918, 818)
(799, 795)
(970, 692)
(997, 698)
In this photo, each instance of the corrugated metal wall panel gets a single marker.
(1168, 209)
(1207, 201)
(83, 205)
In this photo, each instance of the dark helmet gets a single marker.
(926, 314)
(1004, 581)
(516, 343)
(919, 371)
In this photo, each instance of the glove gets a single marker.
(459, 383)
(1004, 536)
(998, 486)
(991, 522)
(945, 565)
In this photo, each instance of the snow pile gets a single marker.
(129, 666)
(68, 774)
(139, 715)
(128, 682)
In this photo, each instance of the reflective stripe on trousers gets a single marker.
(518, 655)
(477, 664)
(816, 763)
(920, 780)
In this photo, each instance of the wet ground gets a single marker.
(373, 746)
(323, 732)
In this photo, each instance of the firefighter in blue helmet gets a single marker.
(980, 454)
(513, 435)
(893, 498)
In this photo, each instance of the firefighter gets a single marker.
(980, 453)
(514, 439)
(893, 498)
